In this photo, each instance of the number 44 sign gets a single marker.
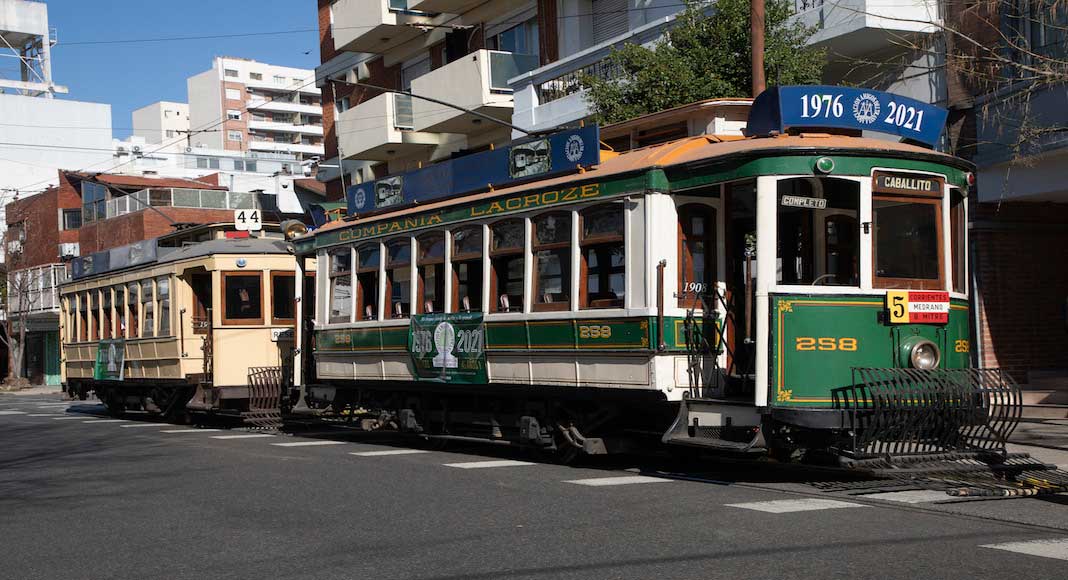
(918, 307)
(247, 220)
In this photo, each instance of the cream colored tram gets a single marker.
(175, 324)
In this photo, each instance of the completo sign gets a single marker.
(805, 202)
(917, 307)
(907, 183)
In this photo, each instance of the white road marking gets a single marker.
(622, 480)
(189, 430)
(493, 463)
(783, 506)
(911, 496)
(243, 436)
(106, 421)
(1057, 548)
(12, 412)
(66, 418)
(388, 452)
(54, 405)
(132, 425)
(307, 443)
(44, 415)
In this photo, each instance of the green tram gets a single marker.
(802, 288)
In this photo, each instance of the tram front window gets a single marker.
(243, 293)
(908, 248)
(818, 231)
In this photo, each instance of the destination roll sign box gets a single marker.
(779, 109)
(907, 184)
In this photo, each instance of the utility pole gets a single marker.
(756, 38)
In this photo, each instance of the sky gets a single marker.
(131, 75)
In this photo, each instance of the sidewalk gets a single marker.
(1046, 440)
(39, 390)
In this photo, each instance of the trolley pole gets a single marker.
(756, 37)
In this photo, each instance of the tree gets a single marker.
(704, 56)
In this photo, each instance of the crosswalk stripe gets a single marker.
(621, 480)
(133, 425)
(485, 464)
(12, 412)
(307, 443)
(44, 415)
(388, 452)
(189, 430)
(243, 436)
(783, 506)
(1055, 548)
(66, 418)
(106, 421)
(910, 496)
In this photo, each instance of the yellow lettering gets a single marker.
(509, 205)
(475, 212)
(591, 190)
(550, 197)
(530, 200)
(495, 207)
(570, 194)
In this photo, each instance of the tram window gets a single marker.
(908, 242)
(94, 315)
(106, 321)
(467, 269)
(818, 231)
(958, 224)
(243, 298)
(368, 258)
(399, 278)
(283, 298)
(552, 261)
(432, 272)
(697, 253)
(120, 311)
(340, 286)
(83, 317)
(131, 303)
(603, 257)
(507, 283)
(147, 309)
(163, 298)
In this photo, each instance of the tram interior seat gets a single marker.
(369, 312)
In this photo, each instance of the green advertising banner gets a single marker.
(449, 348)
(110, 359)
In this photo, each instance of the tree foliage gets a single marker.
(706, 55)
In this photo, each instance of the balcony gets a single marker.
(479, 82)
(285, 127)
(284, 106)
(380, 129)
(289, 85)
(855, 28)
(375, 25)
(36, 290)
(449, 6)
(189, 198)
(284, 147)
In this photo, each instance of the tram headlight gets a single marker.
(920, 353)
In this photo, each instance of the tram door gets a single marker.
(200, 282)
(740, 258)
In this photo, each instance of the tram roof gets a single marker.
(681, 152)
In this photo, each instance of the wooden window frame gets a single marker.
(94, 315)
(882, 283)
(159, 307)
(331, 275)
(457, 259)
(133, 323)
(536, 247)
(390, 267)
(359, 270)
(685, 212)
(511, 252)
(152, 301)
(827, 246)
(958, 226)
(83, 316)
(280, 274)
(604, 239)
(420, 307)
(227, 274)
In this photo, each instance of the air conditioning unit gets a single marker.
(71, 250)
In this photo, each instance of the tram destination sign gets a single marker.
(780, 109)
(449, 348)
(907, 183)
(917, 307)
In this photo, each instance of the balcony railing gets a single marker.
(403, 118)
(570, 82)
(506, 65)
(190, 198)
(36, 289)
(805, 5)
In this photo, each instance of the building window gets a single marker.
(94, 201)
(131, 304)
(552, 261)
(520, 39)
(279, 80)
(233, 94)
(399, 277)
(170, 133)
(432, 272)
(163, 298)
(255, 76)
(467, 269)
(340, 286)
(242, 297)
(233, 135)
(603, 257)
(148, 297)
(230, 73)
(368, 259)
(697, 253)
(283, 298)
(610, 19)
(239, 165)
(72, 219)
(250, 166)
(507, 283)
(233, 114)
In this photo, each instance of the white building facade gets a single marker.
(163, 123)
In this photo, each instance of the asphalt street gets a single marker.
(84, 496)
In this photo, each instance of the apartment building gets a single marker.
(253, 106)
(164, 124)
(520, 61)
